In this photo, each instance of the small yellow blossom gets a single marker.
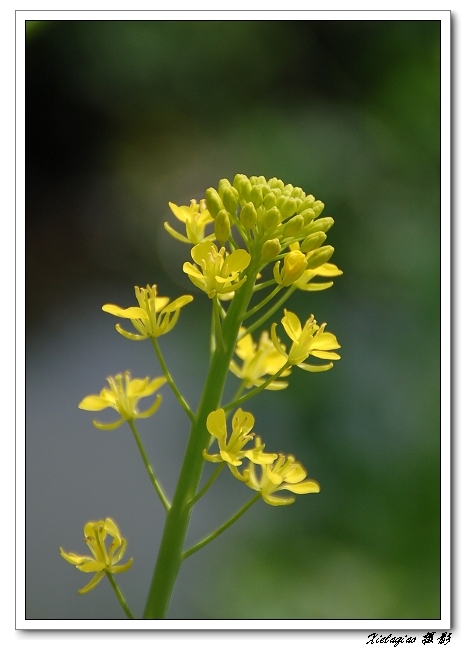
(326, 270)
(196, 217)
(259, 359)
(154, 316)
(123, 396)
(219, 272)
(102, 561)
(232, 452)
(284, 474)
(294, 265)
(308, 340)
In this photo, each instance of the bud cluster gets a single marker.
(269, 216)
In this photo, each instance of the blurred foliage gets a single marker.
(124, 116)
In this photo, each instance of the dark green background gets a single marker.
(122, 117)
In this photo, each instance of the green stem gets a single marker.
(184, 404)
(269, 313)
(218, 322)
(255, 391)
(255, 309)
(171, 547)
(119, 595)
(150, 471)
(206, 486)
(263, 285)
(216, 533)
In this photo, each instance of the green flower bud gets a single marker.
(230, 199)
(248, 215)
(308, 202)
(276, 183)
(261, 180)
(287, 207)
(313, 241)
(223, 185)
(256, 195)
(271, 249)
(298, 193)
(270, 200)
(288, 189)
(213, 201)
(238, 179)
(320, 225)
(308, 216)
(222, 226)
(318, 207)
(271, 219)
(254, 180)
(319, 257)
(293, 226)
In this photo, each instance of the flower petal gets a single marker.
(130, 312)
(93, 583)
(93, 403)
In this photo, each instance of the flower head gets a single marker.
(155, 315)
(259, 359)
(232, 451)
(219, 272)
(284, 474)
(308, 340)
(123, 397)
(103, 560)
(196, 217)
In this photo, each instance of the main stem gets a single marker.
(171, 548)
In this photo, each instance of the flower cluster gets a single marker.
(279, 472)
(259, 360)
(103, 560)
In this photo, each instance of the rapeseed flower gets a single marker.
(219, 272)
(283, 474)
(232, 451)
(294, 265)
(196, 217)
(259, 359)
(102, 561)
(326, 270)
(123, 397)
(154, 316)
(308, 340)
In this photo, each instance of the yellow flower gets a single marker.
(294, 265)
(326, 270)
(154, 316)
(196, 217)
(102, 561)
(219, 272)
(232, 451)
(258, 360)
(123, 396)
(284, 474)
(308, 340)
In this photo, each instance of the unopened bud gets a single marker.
(287, 207)
(248, 215)
(223, 185)
(308, 202)
(272, 218)
(256, 195)
(213, 201)
(313, 241)
(318, 207)
(293, 226)
(320, 225)
(271, 249)
(270, 200)
(222, 226)
(319, 257)
(230, 199)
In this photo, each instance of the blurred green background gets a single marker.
(124, 116)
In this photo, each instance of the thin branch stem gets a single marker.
(120, 597)
(255, 309)
(255, 391)
(184, 404)
(219, 531)
(218, 322)
(269, 313)
(206, 486)
(157, 487)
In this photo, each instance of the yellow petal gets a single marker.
(181, 212)
(178, 303)
(292, 325)
(306, 487)
(217, 425)
(237, 261)
(175, 234)
(90, 585)
(130, 312)
(93, 403)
